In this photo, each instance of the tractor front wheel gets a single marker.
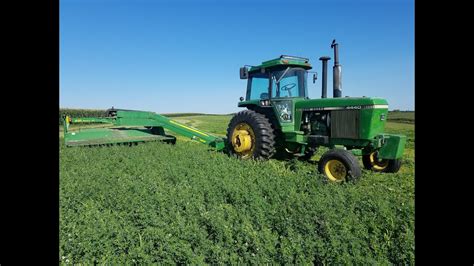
(250, 135)
(339, 165)
(372, 162)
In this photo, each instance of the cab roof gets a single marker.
(284, 60)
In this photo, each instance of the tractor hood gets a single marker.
(342, 103)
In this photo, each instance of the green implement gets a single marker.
(129, 126)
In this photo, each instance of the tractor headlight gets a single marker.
(284, 110)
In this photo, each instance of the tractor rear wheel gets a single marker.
(339, 165)
(371, 162)
(250, 135)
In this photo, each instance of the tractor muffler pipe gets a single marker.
(337, 74)
(324, 88)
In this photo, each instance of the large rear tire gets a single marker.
(339, 165)
(250, 135)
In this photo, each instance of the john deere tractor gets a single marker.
(280, 121)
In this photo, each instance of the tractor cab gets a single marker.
(283, 77)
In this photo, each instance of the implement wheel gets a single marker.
(372, 162)
(339, 165)
(250, 135)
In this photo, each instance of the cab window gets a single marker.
(257, 88)
(292, 83)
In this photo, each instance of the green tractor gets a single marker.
(282, 122)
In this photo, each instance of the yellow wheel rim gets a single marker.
(376, 163)
(335, 170)
(243, 140)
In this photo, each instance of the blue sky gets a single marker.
(184, 56)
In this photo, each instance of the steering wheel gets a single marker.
(288, 87)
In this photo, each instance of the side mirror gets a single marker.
(315, 77)
(244, 73)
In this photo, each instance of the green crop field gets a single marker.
(160, 203)
(402, 116)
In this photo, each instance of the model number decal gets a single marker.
(351, 107)
(354, 107)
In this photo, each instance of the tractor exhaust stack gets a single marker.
(337, 75)
(324, 88)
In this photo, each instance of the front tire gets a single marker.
(250, 135)
(339, 165)
(371, 162)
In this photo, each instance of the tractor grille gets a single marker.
(345, 124)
